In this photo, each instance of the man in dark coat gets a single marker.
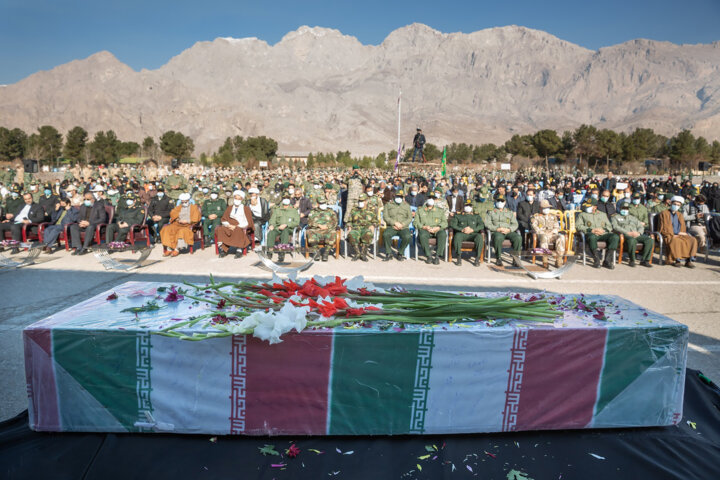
(90, 215)
(29, 212)
(159, 211)
(131, 214)
(63, 215)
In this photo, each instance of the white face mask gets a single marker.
(286, 201)
(129, 202)
(205, 190)
(468, 209)
(398, 200)
(530, 198)
(437, 194)
(213, 196)
(160, 194)
(237, 202)
(546, 211)
(589, 210)
(291, 191)
(317, 187)
(627, 195)
(361, 204)
(430, 202)
(323, 206)
(369, 194)
(500, 205)
(413, 193)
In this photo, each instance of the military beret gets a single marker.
(362, 197)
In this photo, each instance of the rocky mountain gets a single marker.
(320, 90)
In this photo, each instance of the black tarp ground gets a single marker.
(680, 452)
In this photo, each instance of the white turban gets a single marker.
(184, 197)
(239, 193)
(254, 190)
(677, 198)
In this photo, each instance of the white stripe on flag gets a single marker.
(468, 380)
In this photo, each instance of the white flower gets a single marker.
(354, 304)
(322, 281)
(356, 283)
(271, 325)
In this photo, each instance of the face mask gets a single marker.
(286, 201)
(546, 211)
(594, 196)
(624, 212)
(674, 208)
(291, 191)
(14, 194)
(88, 203)
(531, 198)
(413, 193)
(48, 192)
(398, 200)
(160, 194)
(33, 188)
(369, 194)
(213, 196)
(430, 202)
(317, 187)
(468, 209)
(129, 202)
(627, 195)
(323, 206)
(636, 201)
(500, 205)
(661, 197)
(237, 202)
(361, 204)
(205, 190)
(588, 210)
(437, 194)
(605, 199)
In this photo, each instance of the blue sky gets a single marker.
(41, 34)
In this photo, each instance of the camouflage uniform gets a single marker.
(314, 235)
(361, 235)
(547, 228)
(355, 189)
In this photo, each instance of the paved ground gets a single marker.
(32, 293)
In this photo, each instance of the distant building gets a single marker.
(292, 156)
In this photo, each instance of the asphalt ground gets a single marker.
(61, 280)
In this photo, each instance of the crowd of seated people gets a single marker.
(442, 217)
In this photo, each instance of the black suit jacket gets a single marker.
(36, 213)
(95, 215)
(525, 210)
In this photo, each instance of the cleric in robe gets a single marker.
(236, 224)
(179, 229)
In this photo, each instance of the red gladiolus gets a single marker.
(327, 309)
(265, 292)
(221, 303)
(337, 287)
(340, 303)
(112, 296)
(173, 295)
(372, 308)
(354, 312)
(293, 451)
(364, 291)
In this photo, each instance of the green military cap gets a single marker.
(130, 195)
(590, 202)
(160, 188)
(215, 189)
(468, 202)
(48, 185)
(15, 188)
(328, 186)
(286, 195)
(438, 189)
(636, 195)
(400, 193)
(355, 167)
(362, 197)
(286, 184)
(499, 198)
(624, 206)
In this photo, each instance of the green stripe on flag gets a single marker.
(444, 160)
(373, 378)
(628, 354)
(104, 364)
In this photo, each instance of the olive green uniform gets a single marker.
(284, 215)
(504, 218)
(212, 207)
(641, 213)
(397, 213)
(131, 215)
(586, 222)
(458, 223)
(175, 185)
(431, 217)
(623, 225)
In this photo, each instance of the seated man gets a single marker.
(321, 227)
(361, 228)
(236, 224)
(159, 211)
(213, 208)
(397, 216)
(546, 226)
(431, 222)
(632, 231)
(29, 212)
(282, 222)
(467, 226)
(90, 214)
(178, 233)
(597, 227)
(696, 214)
(66, 212)
(503, 225)
(672, 228)
(525, 211)
(131, 214)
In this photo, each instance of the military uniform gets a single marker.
(623, 225)
(431, 217)
(355, 189)
(586, 222)
(283, 215)
(397, 213)
(175, 185)
(212, 207)
(640, 212)
(131, 215)
(460, 222)
(502, 218)
(361, 234)
(315, 235)
(13, 203)
(481, 205)
(547, 229)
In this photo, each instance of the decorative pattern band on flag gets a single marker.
(142, 370)
(515, 377)
(422, 379)
(238, 378)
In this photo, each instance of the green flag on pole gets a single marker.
(444, 160)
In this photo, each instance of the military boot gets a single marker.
(281, 257)
(609, 255)
(458, 262)
(596, 258)
(356, 253)
(477, 261)
(363, 253)
(324, 254)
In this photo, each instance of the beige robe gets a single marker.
(678, 246)
(175, 230)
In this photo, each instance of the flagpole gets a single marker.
(397, 158)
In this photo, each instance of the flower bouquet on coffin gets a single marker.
(270, 310)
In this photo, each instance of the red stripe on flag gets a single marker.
(560, 378)
(40, 378)
(287, 385)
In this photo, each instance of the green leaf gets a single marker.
(268, 450)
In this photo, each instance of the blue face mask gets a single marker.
(48, 192)
(624, 213)
(594, 196)
(88, 203)
(674, 208)
(636, 201)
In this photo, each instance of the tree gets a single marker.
(105, 147)
(12, 144)
(128, 149)
(459, 152)
(432, 152)
(682, 147)
(310, 160)
(485, 152)
(176, 145)
(75, 142)
(586, 142)
(702, 148)
(546, 143)
(641, 144)
(381, 161)
(520, 146)
(48, 143)
(610, 145)
(149, 147)
(715, 152)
